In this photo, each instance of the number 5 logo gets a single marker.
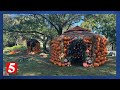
(11, 67)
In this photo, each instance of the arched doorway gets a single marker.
(77, 52)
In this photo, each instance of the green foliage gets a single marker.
(61, 21)
(40, 26)
(104, 24)
(47, 26)
(8, 37)
(18, 47)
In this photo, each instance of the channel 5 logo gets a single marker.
(11, 67)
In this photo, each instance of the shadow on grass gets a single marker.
(35, 65)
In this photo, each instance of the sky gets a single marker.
(78, 24)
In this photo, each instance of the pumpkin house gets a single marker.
(33, 46)
(79, 46)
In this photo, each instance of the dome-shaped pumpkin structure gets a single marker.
(78, 45)
(33, 46)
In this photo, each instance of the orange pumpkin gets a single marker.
(54, 63)
(96, 64)
(59, 64)
(85, 65)
(66, 38)
(97, 61)
(12, 52)
(96, 51)
(65, 54)
(59, 39)
(51, 42)
(102, 62)
(98, 38)
(58, 48)
(63, 65)
(98, 57)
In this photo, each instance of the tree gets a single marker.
(104, 24)
(28, 26)
(44, 26)
(61, 21)
(8, 37)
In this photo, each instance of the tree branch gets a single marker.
(70, 19)
(4, 31)
(50, 22)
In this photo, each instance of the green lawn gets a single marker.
(34, 65)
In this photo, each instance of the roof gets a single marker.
(77, 28)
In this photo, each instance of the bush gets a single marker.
(18, 47)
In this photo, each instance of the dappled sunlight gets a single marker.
(113, 72)
(43, 55)
(112, 64)
(53, 39)
(108, 72)
(32, 74)
(39, 65)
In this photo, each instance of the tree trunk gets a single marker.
(60, 31)
(44, 44)
(112, 46)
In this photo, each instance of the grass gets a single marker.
(18, 47)
(35, 65)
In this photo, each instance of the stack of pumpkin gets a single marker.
(100, 51)
(96, 49)
(59, 51)
(89, 45)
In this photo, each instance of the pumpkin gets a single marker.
(87, 51)
(65, 54)
(54, 63)
(96, 64)
(96, 51)
(106, 61)
(59, 39)
(65, 43)
(105, 58)
(63, 65)
(59, 64)
(58, 48)
(68, 43)
(98, 46)
(98, 39)
(12, 52)
(66, 38)
(97, 61)
(102, 62)
(51, 42)
(106, 52)
(85, 64)
(99, 57)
